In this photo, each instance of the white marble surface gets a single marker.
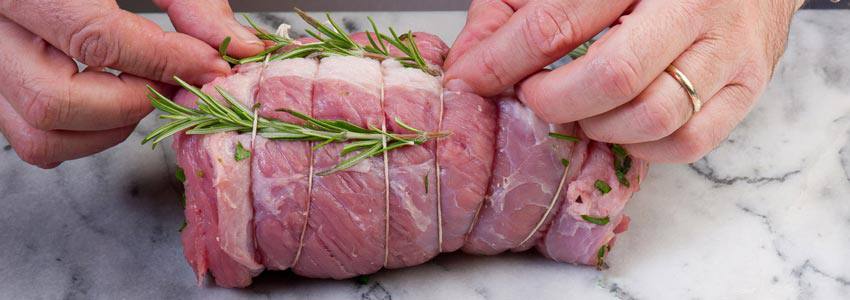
(766, 216)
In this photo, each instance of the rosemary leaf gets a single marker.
(621, 177)
(622, 163)
(264, 35)
(241, 153)
(596, 220)
(383, 48)
(405, 126)
(581, 50)
(559, 136)
(182, 226)
(352, 161)
(180, 175)
(362, 279)
(602, 186)
(322, 144)
(600, 257)
(425, 181)
(355, 146)
(222, 51)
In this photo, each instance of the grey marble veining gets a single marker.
(765, 216)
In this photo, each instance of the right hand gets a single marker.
(51, 112)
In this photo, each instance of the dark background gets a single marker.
(382, 5)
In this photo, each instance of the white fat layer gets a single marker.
(300, 67)
(231, 181)
(356, 70)
(397, 75)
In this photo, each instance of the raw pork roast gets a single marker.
(497, 183)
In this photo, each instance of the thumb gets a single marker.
(211, 21)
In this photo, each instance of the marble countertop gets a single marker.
(765, 216)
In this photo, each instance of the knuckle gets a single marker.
(44, 109)
(34, 149)
(538, 103)
(494, 68)
(741, 97)
(618, 76)
(656, 121)
(549, 29)
(90, 44)
(548, 115)
(132, 112)
(694, 145)
(596, 131)
(753, 76)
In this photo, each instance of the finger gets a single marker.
(484, 18)
(99, 34)
(45, 89)
(211, 21)
(47, 149)
(665, 105)
(705, 131)
(536, 35)
(617, 67)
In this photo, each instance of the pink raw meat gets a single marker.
(466, 162)
(346, 230)
(413, 97)
(281, 169)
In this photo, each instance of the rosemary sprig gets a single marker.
(334, 40)
(214, 117)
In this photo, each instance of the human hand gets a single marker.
(620, 92)
(51, 113)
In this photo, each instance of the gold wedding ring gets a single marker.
(687, 85)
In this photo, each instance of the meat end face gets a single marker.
(525, 181)
(572, 238)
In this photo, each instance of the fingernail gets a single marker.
(458, 85)
(244, 35)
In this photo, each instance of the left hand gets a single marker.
(50, 111)
(620, 92)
